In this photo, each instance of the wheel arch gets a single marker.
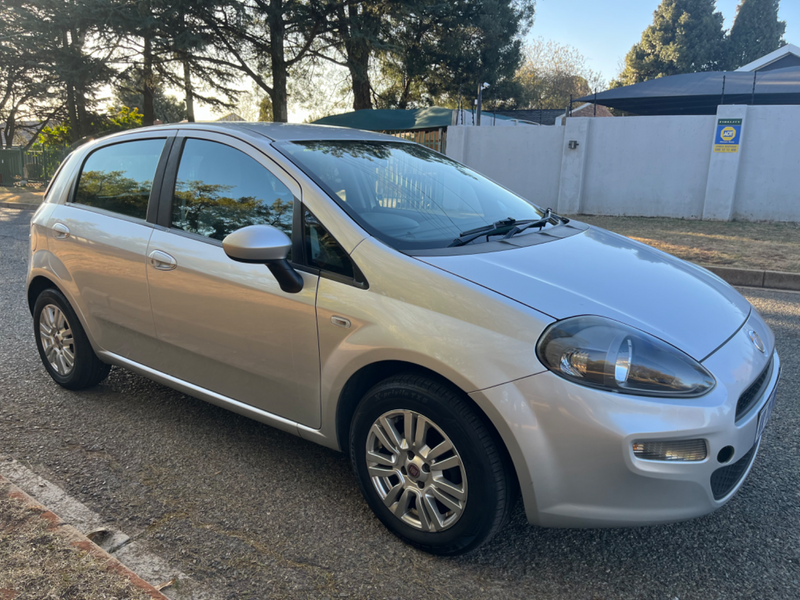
(39, 284)
(370, 375)
(42, 281)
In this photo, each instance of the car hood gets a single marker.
(601, 273)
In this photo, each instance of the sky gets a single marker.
(604, 31)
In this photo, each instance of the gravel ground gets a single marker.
(252, 512)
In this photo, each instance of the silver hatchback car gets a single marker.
(373, 296)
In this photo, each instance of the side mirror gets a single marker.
(264, 244)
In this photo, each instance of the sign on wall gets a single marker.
(729, 132)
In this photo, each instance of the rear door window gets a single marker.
(220, 189)
(119, 178)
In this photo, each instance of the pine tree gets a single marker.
(755, 32)
(686, 36)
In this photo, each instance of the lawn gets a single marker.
(765, 246)
(23, 195)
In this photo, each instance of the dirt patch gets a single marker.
(765, 246)
(22, 195)
(37, 564)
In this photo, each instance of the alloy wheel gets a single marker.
(416, 470)
(57, 340)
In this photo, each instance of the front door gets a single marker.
(227, 326)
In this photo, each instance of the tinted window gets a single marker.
(322, 250)
(406, 195)
(220, 189)
(119, 177)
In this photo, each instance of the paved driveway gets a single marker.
(256, 513)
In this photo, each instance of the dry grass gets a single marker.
(24, 195)
(767, 246)
(37, 564)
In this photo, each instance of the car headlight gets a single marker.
(601, 353)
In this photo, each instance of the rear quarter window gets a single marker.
(119, 178)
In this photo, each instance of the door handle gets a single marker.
(162, 261)
(61, 231)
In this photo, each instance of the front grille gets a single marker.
(724, 479)
(753, 393)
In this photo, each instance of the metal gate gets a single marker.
(10, 165)
(17, 164)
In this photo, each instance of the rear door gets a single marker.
(99, 238)
(227, 326)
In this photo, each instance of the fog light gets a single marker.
(680, 450)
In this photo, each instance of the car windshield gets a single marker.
(406, 195)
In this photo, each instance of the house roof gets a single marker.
(701, 93)
(788, 56)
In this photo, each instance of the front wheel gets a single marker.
(428, 466)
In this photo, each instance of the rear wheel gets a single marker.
(63, 346)
(428, 465)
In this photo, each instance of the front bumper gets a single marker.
(572, 446)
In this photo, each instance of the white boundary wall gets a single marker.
(647, 166)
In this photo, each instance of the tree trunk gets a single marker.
(187, 84)
(11, 128)
(277, 35)
(84, 127)
(148, 110)
(71, 111)
(358, 63)
(73, 118)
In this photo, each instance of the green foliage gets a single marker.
(551, 72)
(686, 36)
(755, 32)
(55, 136)
(117, 119)
(428, 50)
(265, 109)
(128, 92)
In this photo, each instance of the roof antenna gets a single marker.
(753, 95)
(722, 100)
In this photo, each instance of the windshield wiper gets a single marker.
(548, 217)
(497, 228)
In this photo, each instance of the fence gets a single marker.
(435, 139)
(17, 164)
(667, 166)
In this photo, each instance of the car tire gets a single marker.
(62, 343)
(447, 490)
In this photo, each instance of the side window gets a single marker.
(322, 250)
(119, 177)
(220, 189)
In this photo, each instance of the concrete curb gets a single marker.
(77, 539)
(20, 205)
(776, 280)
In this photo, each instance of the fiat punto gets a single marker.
(460, 343)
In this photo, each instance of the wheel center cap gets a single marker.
(413, 470)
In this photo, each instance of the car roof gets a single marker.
(280, 131)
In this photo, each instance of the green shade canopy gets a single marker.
(392, 120)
